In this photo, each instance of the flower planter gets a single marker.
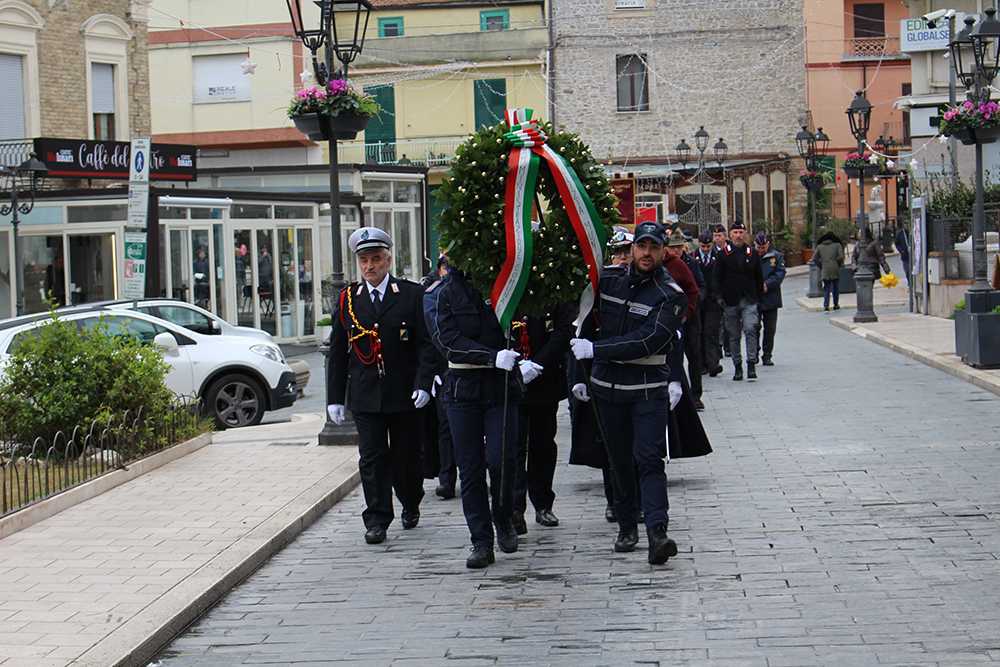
(977, 135)
(976, 335)
(855, 172)
(812, 183)
(807, 255)
(321, 127)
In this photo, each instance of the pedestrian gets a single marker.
(679, 271)
(902, 242)
(772, 267)
(830, 258)
(543, 342)
(640, 311)
(439, 431)
(482, 392)
(710, 309)
(874, 251)
(741, 285)
(719, 240)
(381, 366)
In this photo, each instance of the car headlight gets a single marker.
(270, 351)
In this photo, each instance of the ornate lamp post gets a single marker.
(810, 146)
(721, 151)
(345, 40)
(20, 183)
(859, 115)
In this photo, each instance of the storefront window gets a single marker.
(406, 192)
(265, 281)
(402, 248)
(6, 281)
(290, 305)
(201, 270)
(308, 322)
(219, 239)
(97, 213)
(206, 214)
(244, 278)
(43, 271)
(180, 270)
(92, 268)
(250, 212)
(293, 212)
(349, 222)
(173, 213)
(378, 191)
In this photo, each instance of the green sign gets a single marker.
(134, 286)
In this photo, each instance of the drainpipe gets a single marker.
(551, 62)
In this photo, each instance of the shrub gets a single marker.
(60, 377)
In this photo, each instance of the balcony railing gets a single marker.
(15, 151)
(419, 152)
(873, 48)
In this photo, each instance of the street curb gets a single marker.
(139, 639)
(948, 364)
(45, 509)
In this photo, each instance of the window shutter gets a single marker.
(102, 88)
(12, 121)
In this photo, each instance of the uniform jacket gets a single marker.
(772, 268)
(679, 271)
(430, 319)
(699, 276)
(639, 316)
(708, 266)
(739, 275)
(547, 345)
(466, 331)
(829, 256)
(406, 349)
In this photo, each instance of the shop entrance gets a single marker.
(194, 266)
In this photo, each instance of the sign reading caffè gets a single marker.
(78, 158)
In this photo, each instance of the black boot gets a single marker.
(481, 556)
(610, 515)
(628, 537)
(738, 375)
(768, 361)
(520, 525)
(546, 518)
(375, 535)
(751, 371)
(507, 537)
(661, 547)
(444, 492)
(410, 519)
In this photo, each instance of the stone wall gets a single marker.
(735, 67)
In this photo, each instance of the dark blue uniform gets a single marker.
(772, 267)
(447, 473)
(639, 315)
(467, 333)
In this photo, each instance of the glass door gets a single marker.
(179, 284)
(192, 266)
(6, 278)
(290, 305)
(304, 261)
(92, 268)
(246, 305)
(266, 296)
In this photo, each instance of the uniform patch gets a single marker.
(774, 262)
(639, 309)
(395, 288)
(404, 333)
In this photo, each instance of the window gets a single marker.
(97, 213)
(633, 83)
(738, 207)
(630, 4)
(778, 208)
(869, 20)
(494, 19)
(758, 213)
(186, 317)
(102, 100)
(907, 89)
(13, 123)
(220, 78)
(390, 27)
(121, 325)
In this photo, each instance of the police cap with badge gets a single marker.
(369, 238)
(652, 231)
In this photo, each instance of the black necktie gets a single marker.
(377, 302)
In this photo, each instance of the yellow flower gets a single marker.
(889, 280)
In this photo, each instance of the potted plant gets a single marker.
(865, 163)
(971, 123)
(323, 329)
(812, 180)
(336, 110)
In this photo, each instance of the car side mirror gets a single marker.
(166, 343)
(214, 328)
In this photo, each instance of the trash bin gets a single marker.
(846, 280)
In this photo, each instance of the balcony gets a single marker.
(873, 48)
(509, 45)
(419, 152)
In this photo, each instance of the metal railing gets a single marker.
(30, 474)
(872, 48)
(419, 152)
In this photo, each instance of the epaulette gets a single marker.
(728, 249)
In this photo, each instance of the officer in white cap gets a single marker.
(381, 366)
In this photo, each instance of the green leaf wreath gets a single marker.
(472, 226)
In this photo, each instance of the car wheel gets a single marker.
(234, 401)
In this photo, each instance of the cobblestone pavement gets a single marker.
(850, 515)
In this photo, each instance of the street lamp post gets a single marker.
(26, 178)
(859, 115)
(810, 146)
(683, 150)
(346, 42)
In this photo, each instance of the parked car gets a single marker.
(237, 378)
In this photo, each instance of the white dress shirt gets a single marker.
(381, 288)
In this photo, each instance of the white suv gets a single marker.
(237, 378)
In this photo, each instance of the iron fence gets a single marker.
(30, 474)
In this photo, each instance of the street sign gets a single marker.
(134, 286)
(138, 185)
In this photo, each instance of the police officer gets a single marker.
(710, 311)
(620, 246)
(680, 271)
(543, 343)
(381, 366)
(640, 312)
(741, 285)
(772, 266)
(481, 391)
(440, 431)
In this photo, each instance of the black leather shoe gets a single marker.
(698, 405)
(520, 525)
(661, 547)
(410, 519)
(768, 362)
(715, 371)
(628, 537)
(751, 371)
(481, 556)
(444, 492)
(507, 538)
(546, 518)
(738, 375)
(610, 515)
(375, 535)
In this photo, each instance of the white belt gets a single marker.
(467, 367)
(629, 387)
(654, 360)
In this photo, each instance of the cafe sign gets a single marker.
(112, 160)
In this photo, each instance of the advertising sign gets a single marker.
(914, 35)
(624, 189)
(112, 160)
(134, 286)
(138, 185)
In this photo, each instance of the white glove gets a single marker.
(529, 370)
(420, 398)
(582, 348)
(580, 392)
(434, 385)
(674, 391)
(506, 359)
(199, 276)
(337, 414)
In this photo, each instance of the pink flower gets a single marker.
(949, 115)
(337, 87)
(987, 115)
(968, 105)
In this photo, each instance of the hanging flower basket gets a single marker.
(969, 136)
(971, 123)
(856, 172)
(323, 127)
(335, 110)
(858, 164)
(812, 182)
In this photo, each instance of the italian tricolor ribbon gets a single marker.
(528, 151)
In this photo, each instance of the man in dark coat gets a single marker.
(381, 365)
(680, 271)
(543, 343)
(772, 266)
(741, 285)
(438, 449)
(710, 310)
(902, 242)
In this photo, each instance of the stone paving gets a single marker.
(850, 515)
